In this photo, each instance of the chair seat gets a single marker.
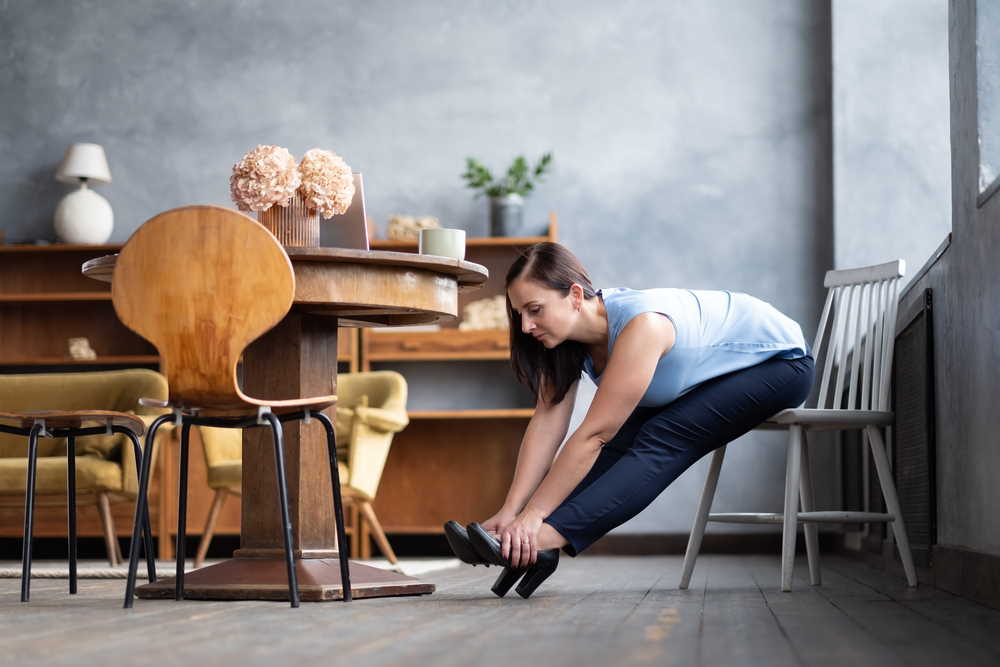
(92, 474)
(817, 420)
(248, 407)
(73, 419)
(229, 474)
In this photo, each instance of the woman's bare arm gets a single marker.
(545, 432)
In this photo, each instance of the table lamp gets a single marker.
(83, 216)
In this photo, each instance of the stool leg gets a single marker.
(147, 534)
(71, 499)
(286, 523)
(182, 486)
(141, 509)
(29, 507)
(338, 507)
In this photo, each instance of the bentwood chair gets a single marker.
(856, 363)
(371, 408)
(97, 466)
(201, 283)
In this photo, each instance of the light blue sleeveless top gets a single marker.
(717, 332)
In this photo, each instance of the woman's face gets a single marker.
(545, 313)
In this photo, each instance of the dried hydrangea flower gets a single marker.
(327, 184)
(265, 176)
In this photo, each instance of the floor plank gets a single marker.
(592, 611)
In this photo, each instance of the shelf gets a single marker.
(49, 297)
(441, 345)
(60, 247)
(509, 413)
(143, 359)
(476, 242)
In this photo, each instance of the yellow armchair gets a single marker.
(371, 408)
(105, 466)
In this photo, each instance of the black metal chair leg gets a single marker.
(338, 506)
(71, 499)
(180, 544)
(141, 510)
(147, 534)
(286, 524)
(29, 508)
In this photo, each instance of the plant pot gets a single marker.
(506, 215)
(292, 225)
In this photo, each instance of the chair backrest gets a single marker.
(856, 356)
(201, 283)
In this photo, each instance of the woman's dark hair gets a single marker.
(555, 370)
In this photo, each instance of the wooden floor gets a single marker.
(593, 611)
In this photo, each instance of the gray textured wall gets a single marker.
(892, 166)
(691, 140)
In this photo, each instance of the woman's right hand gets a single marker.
(496, 523)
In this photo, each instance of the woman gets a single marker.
(679, 373)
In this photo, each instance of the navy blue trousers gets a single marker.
(655, 445)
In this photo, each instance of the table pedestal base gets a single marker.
(267, 579)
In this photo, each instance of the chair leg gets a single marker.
(206, 535)
(338, 506)
(286, 523)
(71, 507)
(29, 509)
(793, 467)
(884, 473)
(107, 524)
(141, 510)
(383, 542)
(147, 531)
(701, 516)
(180, 544)
(355, 514)
(808, 505)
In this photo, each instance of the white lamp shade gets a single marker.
(84, 161)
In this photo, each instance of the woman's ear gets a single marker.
(576, 296)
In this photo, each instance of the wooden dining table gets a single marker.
(334, 287)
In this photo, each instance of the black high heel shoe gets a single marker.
(458, 540)
(489, 549)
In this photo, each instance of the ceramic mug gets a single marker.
(443, 242)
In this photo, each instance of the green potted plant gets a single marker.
(506, 194)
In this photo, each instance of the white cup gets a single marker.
(443, 242)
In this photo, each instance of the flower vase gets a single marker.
(292, 225)
(506, 215)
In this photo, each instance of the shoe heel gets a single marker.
(508, 577)
(535, 575)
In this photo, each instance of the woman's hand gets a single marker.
(519, 539)
(496, 523)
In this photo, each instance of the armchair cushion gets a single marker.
(92, 474)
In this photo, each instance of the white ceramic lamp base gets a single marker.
(84, 217)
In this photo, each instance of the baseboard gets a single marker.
(971, 574)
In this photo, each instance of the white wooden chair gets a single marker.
(856, 359)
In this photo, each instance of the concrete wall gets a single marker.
(891, 159)
(691, 140)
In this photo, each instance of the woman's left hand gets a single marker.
(519, 540)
